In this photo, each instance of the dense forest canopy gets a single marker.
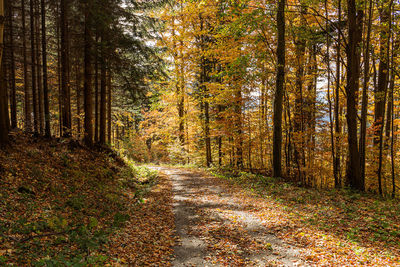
(306, 90)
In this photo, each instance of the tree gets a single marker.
(103, 94)
(33, 70)
(13, 100)
(28, 116)
(280, 80)
(44, 66)
(4, 126)
(65, 83)
(383, 78)
(88, 95)
(355, 18)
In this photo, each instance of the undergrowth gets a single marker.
(60, 202)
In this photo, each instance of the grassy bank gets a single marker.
(60, 202)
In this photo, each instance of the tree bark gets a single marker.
(33, 70)
(355, 18)
(96, 98)
(88, 98)
(336, 166)
(328, 64)
(60, 100)
(65, 86)
(280, 80)
(103, 96)
(39, 69)
(13, 99)
(383, 70)
(364, 105)
(4, 126)
(109, 106)
(78, 97)
(298, 120)
(382, 83)
(44, 68)
(239, 127)
(27, 100)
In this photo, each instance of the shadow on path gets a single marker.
(215, 229)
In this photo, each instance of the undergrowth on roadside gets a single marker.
(60, 202)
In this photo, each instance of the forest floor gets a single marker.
(62, 204)
(251, 220)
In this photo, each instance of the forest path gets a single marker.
(217, 228)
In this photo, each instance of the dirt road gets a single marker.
(216, 228)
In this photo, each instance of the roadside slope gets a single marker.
(63, 204)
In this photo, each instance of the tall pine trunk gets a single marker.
(65, 86)
(27, 100)
(109, 110)
(78, 97)
(103, 96)
(44, 69)
(4, 127)
(39, 69)
(96, 98)
(88, 99)
(13, 99)
(60, 102)
(33, 70)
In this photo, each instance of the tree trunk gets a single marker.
(328, 64)
(392, 152)
(44, 62)
(280, 80)
(336, 166)
(383, 70)
(355, 18)
(60, 100)
(239, 128)
(262, 121)
(27, 101)
(298, 120)
(33, 70)
(204, 77)
(96, 95)
(311, 101)
(103, 96)
(382, 83)
(13, 100)
(364, 105)
(78, 97)
(96, 100)
(39, 69)
(109, 107)
(88, 99)
(181, 113)
(65, 86)
(4, 126)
